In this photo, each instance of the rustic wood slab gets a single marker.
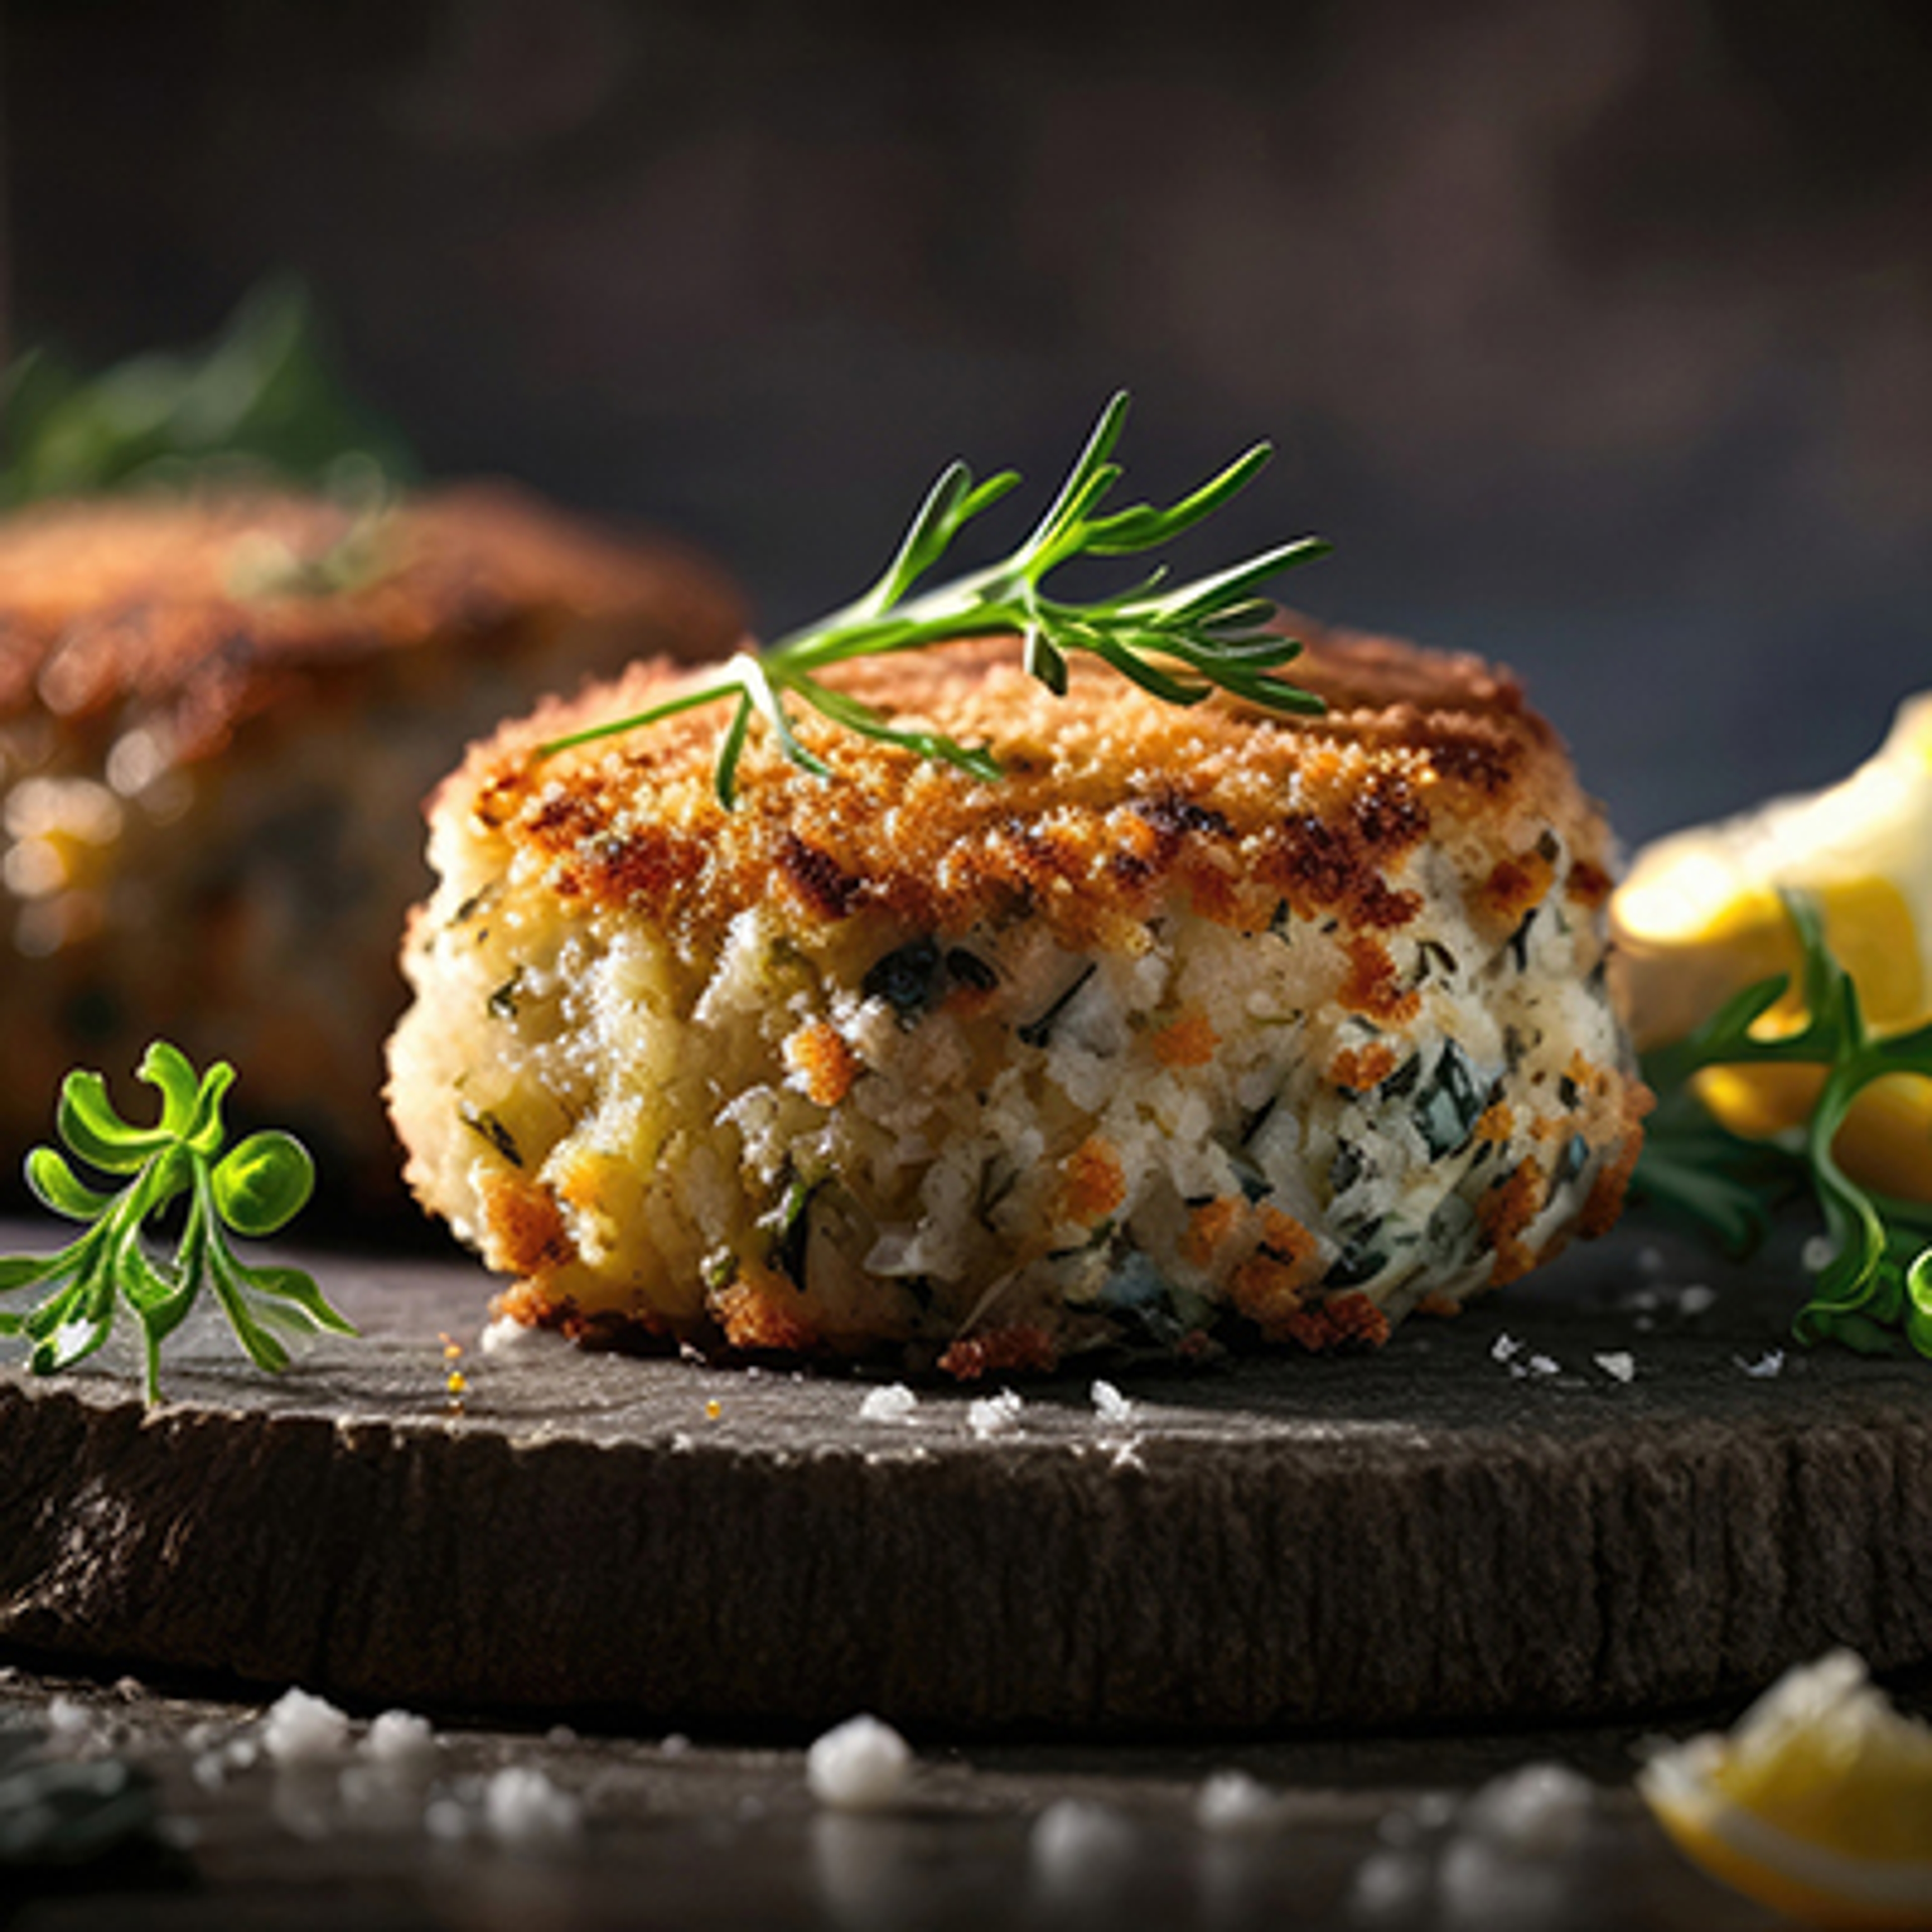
(1483, 1521)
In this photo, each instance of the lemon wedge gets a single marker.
(1819, 1803)
(1698, 917)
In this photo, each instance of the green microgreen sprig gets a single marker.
(254, 1189)
(1181, 643)
(1875, 1292)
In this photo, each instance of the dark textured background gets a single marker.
(1598, 335)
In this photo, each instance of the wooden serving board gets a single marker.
(1483, 1521)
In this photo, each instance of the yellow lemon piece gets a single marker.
(1819, 1803)
(1698, 918)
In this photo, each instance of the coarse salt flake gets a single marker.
(1696, 1298)
(400, 1740)
(1232, 1804)
(1503, 1348)
(1075, 1843)
(1619, 1365)
(1110, 1405)
(505, 1333)
(1771, 1363)
(994, 1414)
(1538, 1810)
(894, 1403)
(303, 1729)
(1389, 1883)
(521, 1806)
(860, 1765)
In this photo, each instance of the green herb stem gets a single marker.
(1875, 1292)
(1180, 644)
(256, 1188)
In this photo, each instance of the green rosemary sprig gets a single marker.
(1181, 643)
(1875, 1292)
(254, 1189)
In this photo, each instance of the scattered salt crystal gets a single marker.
(1482, 1888)
(1076, 1843)
(1539, 1810)
(1503, 1347)
(209, 1770)
(1771, 1363)
(129, 1690)
(994, 1414)
(1619, 1365)
(68, 1719)
(506, 1333)
(1818, 1253)
(446, 1818)
(1389, 1884)
(895, 1402)
(240, 1754)
(560, 1737)
(1127, 1455)
(521, 1806)
(1231, 1803)
(1545, 1365)
(401, 1741)
(1696, 1298)
(860, 1765)
(1434, 1809)
(301, 1729)
(673, 1744)
(1112, 1406)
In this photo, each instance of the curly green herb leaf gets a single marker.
(1180, 643)
(1875, 1293)
(256, 1188)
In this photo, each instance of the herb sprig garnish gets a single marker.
(1875, 1292)
(256, 1188)
(1181, 643)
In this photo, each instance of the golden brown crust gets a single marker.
(1111, 801)
(194, 605)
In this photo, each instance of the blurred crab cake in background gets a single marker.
(238, 645)
(220, 710)
(1195, 1025)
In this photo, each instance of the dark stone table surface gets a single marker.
(703, 1817)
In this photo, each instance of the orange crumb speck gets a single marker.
(1266, 1292)
(1187, 1040)
(1091, 1182)
(1515, 885)
(755, 1316)
(713, 1409)
(821, 1062)
(1340, 1321)
(1359, 1068)
(1286, 1239)
(523, 1230)
(1373, 986)
(1435, 1303)
(1021, 1344)
(1208, 1226)
(1503, 1212)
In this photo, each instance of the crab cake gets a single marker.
(219, 716)
(1198, 1025)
